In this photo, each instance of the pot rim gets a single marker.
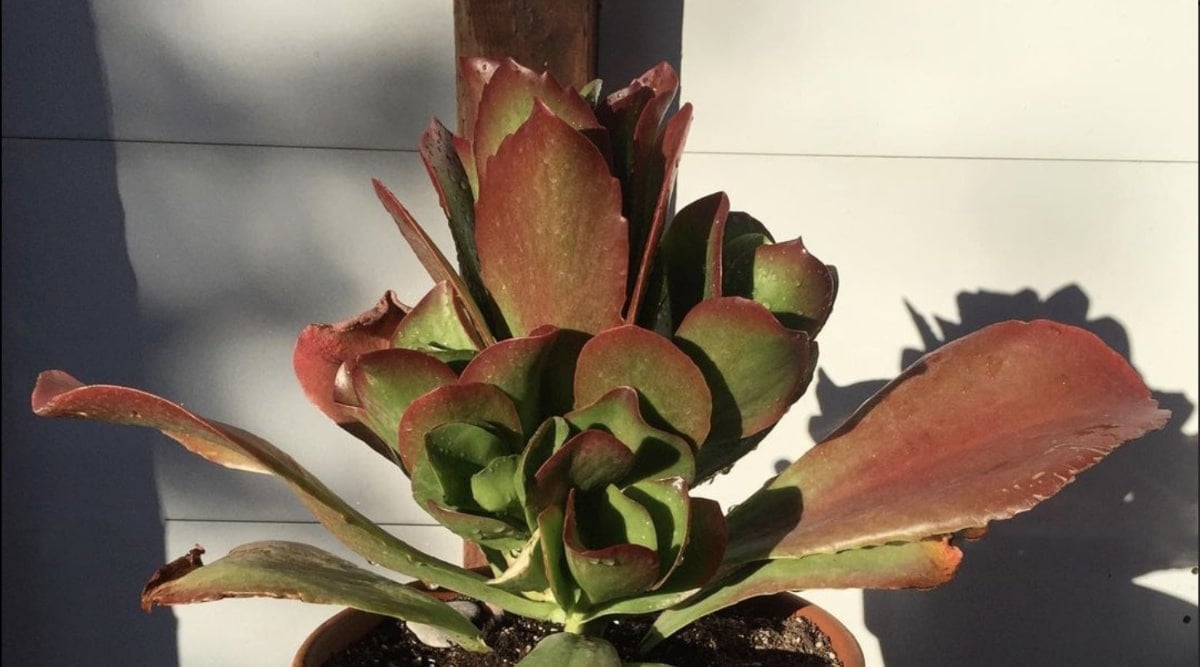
(348, 625)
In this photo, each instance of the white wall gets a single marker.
(942, 148)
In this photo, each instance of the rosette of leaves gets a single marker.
(559, 393)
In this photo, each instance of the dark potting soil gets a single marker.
(713, 640)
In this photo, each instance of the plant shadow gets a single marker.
(1055, 586)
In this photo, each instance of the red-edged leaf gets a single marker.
(475, 73)
(322, 348)
(674, 136)
(519, 367)
(978, 430)
(755, 366)
(657, 453)
(294, 571)
(386, 382)
(472, 402)
(923, 564)
(692, 251)
(452, 181)
(438, 323)
(431, 257)
(506, 103)
(552, 242)
(673, 389)
(60, 395)
(606, 572)
(793, 284)
(591, 459)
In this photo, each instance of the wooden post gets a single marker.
(554, 35)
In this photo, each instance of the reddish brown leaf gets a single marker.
(552, 243)
(983, 428)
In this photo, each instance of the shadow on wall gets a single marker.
(1053, 586)
(81, 520)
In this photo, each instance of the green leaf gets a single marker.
(57, 394)
(667, 503)
(657, 453)
(673, 389)
(923, 564)
(754, 365)
(488, 531)
(521, 368)
(507, 100)
(567, 648)
(302, 572)
(455, 453)
(589, 460)
(526, 572)
(978, 430)
(471, 402)
(795, 286)
(612, 552)
(437, 323)
(552, 242)
(322, 349)
(494, 487)
(692, 248)
(550, 526)
(386, 382)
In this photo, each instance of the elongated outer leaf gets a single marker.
(302, 572)
(322, 348)
(673, 388)
(673, 139)
(567, 648)
(507, 100)
(552, 243)
(923, 564)
(979, 430)
(435, 263)
(452, 181)
(471, 402)
(57, 394)
(754, 365)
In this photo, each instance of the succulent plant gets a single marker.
(557, 396)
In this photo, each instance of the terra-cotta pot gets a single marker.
(349, 625)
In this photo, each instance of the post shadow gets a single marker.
(82, 528)
(1053, 586)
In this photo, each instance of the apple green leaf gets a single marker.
(550, 526)
(656, 453)
(472, 402)
(754, 365)
(57, 394)
(789, 281)
(295, 571)
(672, 388)
(981, 429)
(586, 461)
(321, 350)
(552, 243)
(568, 648)
(668, 504)
(526, 572)
(438, 325)
(922, 564)
(616, 556)
(384, 383)
(506, 103)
